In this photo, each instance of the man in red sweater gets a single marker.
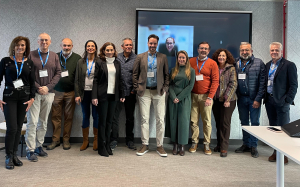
(205, 87)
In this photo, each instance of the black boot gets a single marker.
(108, 149)
(102, 149)
(9, 162)
(16, 160)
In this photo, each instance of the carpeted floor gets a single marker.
(124, 168)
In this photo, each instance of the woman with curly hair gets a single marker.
(224, 99)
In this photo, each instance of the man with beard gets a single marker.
(250, 91)
(150, 79)
(64, 95)
(205, 87)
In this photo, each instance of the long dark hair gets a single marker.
(84, 56)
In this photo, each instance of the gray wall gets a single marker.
(114, 20)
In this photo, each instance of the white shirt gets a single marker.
(111, 75)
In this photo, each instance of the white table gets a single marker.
(283, 143)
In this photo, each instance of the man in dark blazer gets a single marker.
(151, 81)
(281, 88)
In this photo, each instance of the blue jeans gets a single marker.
(244, 104)
(86, 110)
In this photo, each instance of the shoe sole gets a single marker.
(192, 151)
(40, 155)
(66, 148)
(162, 155)
(141, 154)
(113, 148)
(31, 160)
(207, 153)
(57, 145)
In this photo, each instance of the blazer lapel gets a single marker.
(145, 60)
(104, 67)
(279, 67)
(157, 62)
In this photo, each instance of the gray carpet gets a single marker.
(124, 168)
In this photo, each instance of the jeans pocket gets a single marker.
(7, 92)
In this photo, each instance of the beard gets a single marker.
(66, 52)
(246, 58)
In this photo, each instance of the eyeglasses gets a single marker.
(44, 40)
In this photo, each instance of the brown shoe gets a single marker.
(272, 158)
(175, 149)
(193, 148)
(181, 150)
(95, 142)
(160, 150)
(223, 153)
(144, 149)
(85, 136)
(53, 145)
(207, 150)
(66, 145)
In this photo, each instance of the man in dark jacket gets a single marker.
(250, 91)
(281, 88)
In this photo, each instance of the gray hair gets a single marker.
(126, 39)
(246, 43)
(44, 33)
(276, 43)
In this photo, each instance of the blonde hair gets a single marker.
(187, 66)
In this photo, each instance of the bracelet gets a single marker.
(209, 98)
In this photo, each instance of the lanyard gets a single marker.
(43, 64)
(19, 72)
(87, 66)
(64, 66)
(201, 66)
(243, 70)
(151, 65)
(271, 72)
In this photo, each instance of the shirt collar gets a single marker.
(149, 54)
(67, 56)
(278, 61)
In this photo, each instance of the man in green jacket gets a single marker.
(64, 95)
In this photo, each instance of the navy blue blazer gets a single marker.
(285, 82)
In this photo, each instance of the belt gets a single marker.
(269, 94)
(151, 88)
(13, 88)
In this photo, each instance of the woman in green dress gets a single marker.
(182, 81)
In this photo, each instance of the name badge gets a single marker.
(150, 74)
(64, 73)
(18, 83)
(199, 77)
(43, 73)
(242, 75)
(269, 82)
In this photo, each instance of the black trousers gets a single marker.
(14, 112)
(129, 105)
(278, 115)
(223, 120)
(106, 110)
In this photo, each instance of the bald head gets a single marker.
(66, 46)
(44, 41)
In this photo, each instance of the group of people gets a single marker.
(40, 81)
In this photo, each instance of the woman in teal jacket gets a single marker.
(182, 81)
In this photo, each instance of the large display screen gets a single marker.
(184, 30)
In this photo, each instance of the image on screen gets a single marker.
(223, 29)
(172, 38)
